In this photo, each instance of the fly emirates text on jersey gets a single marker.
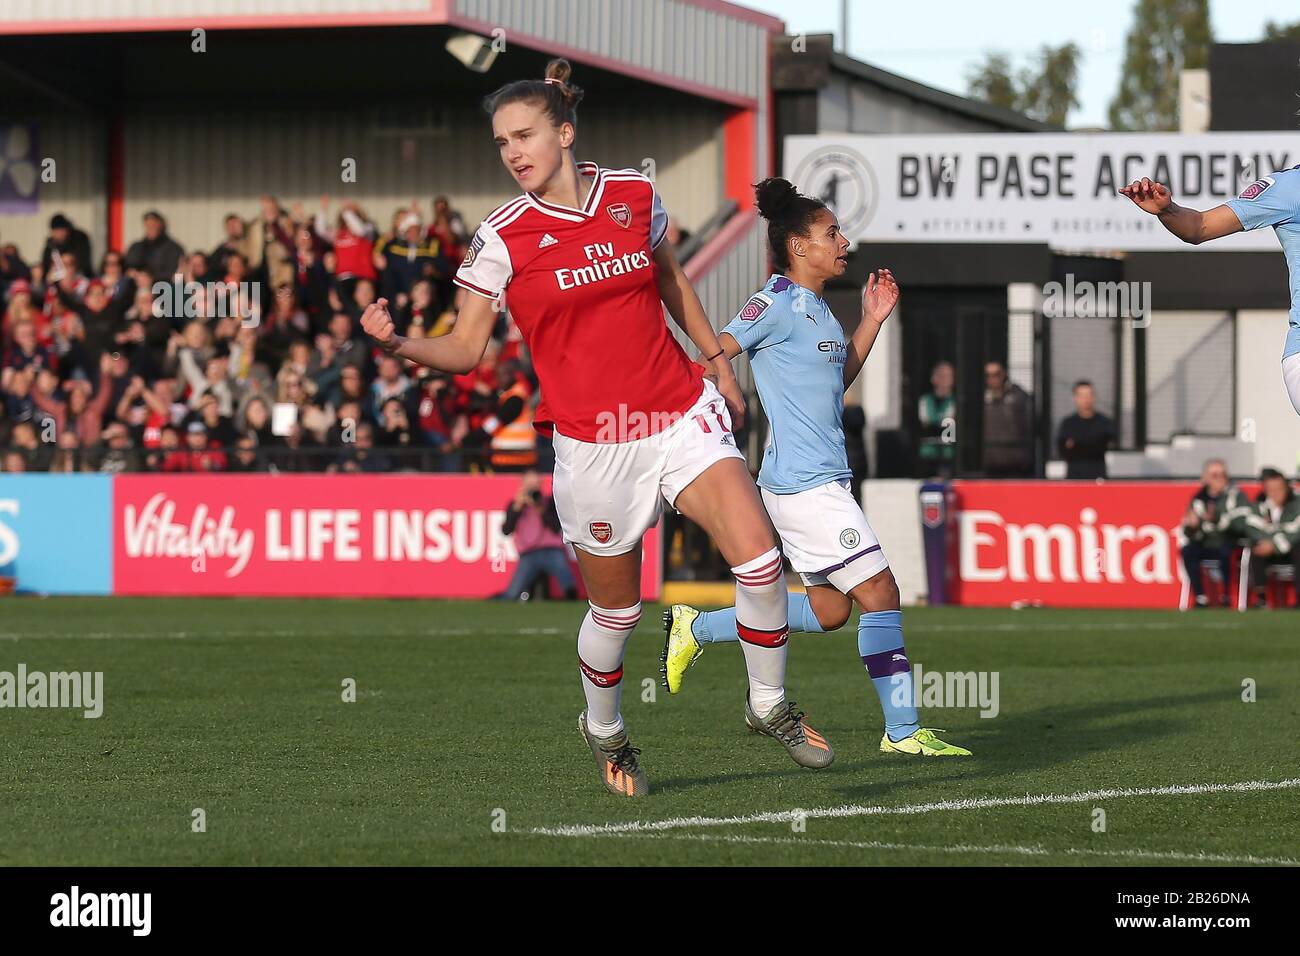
(604, 265)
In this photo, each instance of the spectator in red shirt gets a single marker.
(435, 411)
(161, 455)
(353, 239)
(199, 452)
(162, 410)
(448, 228)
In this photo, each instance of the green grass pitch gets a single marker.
(465, 715)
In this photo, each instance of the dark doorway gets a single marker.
(964, 326)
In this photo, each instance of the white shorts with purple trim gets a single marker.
(826, 536)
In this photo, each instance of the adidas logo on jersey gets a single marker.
(547, 240)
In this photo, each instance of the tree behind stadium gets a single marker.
(1167, 37)
(1281, 31)
(1044, 90)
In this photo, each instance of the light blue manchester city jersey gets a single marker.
(797, 351)
(1275, 201)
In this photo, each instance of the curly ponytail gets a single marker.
(788, 212)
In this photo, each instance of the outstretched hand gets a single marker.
(879, 296)
(1148, 196)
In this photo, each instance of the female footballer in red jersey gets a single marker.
(582, 258)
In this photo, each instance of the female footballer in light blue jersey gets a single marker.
(802, 364)
(1271, 201)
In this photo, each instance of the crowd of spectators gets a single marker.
(250, 356)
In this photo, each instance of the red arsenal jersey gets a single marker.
(583, 291)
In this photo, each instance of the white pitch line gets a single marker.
(1082, 626)
(1010, 850)
(853, 810)
(96, 636)
(182, 635)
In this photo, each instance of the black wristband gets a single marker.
(712, 357)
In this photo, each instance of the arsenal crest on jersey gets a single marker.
(620, 213)
(601, 531)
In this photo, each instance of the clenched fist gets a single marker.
(378, 324)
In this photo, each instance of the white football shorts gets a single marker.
(1291, 375)
(826, 536)
(609, 495)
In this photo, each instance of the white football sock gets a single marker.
(601, 642)
(763, 626)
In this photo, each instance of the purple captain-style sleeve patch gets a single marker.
(887, 663)
(781, 284)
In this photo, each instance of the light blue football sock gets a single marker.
(880, 642)
(717, 627)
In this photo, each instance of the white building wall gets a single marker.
(893, 508)
(1264, 410)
